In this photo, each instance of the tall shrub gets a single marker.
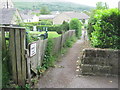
(76, 25)
(106, 32)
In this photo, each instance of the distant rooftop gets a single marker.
(24, 16)
(76, 15)
(46, 16)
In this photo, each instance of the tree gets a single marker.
(65, 26)
(76, 25)
(44, 10)
(101, 5)
(92, 20)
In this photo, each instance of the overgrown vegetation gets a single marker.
(5, 72)
(76, 25)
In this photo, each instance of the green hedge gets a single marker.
(106, 32)
(50, 27)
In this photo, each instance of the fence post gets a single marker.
(12, 53)
(18, 56)
(0, 58)
(28, 66)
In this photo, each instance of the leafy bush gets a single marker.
(106, 32)
(76, 24)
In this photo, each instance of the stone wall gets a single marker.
(97, 61)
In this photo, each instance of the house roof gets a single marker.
(76, 15)
(6, 15)
(46, 16)
(24, 16)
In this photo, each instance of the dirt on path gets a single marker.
(65, 75)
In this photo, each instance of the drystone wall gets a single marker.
(96, 61)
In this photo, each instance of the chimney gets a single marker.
(7, 4)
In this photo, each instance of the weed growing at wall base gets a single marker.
(49, 58)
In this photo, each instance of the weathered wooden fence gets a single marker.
(37, 59)
(21, 62)
(16, 48)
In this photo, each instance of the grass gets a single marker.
(51, 34)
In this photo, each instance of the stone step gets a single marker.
(95, 69)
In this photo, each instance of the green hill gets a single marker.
(52, 6)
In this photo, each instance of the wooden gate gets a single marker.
(16, 49)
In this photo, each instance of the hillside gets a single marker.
(52, 6)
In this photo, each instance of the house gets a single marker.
(29, 18)
(26, 18)
(10, 16)
(67, 16)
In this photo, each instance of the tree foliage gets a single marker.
(44, 10)
(101, 5)
(76, 25)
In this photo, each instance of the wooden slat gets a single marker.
(0, 59)
(12, 54)
(3, 43)
(18, 56)
(23, 56)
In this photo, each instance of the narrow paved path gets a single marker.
(65, 75)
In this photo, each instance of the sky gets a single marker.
(111, 3)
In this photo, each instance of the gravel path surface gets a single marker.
(65, 75)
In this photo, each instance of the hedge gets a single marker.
(50, 27)
(106, 32)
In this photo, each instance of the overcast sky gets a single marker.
(111, 3)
